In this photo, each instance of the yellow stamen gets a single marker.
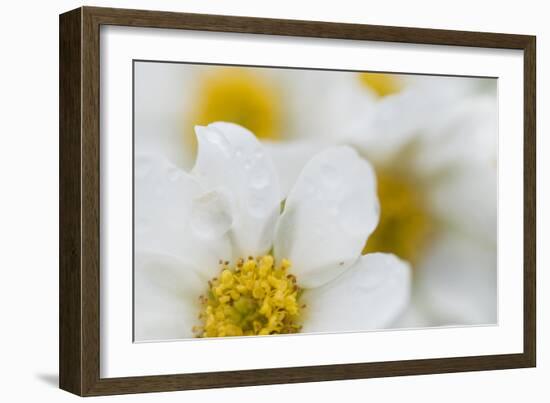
(382, 84)
(405, 226)
(256, 297)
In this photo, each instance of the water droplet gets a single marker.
(259, 178)
(211, 215)
(216, 138)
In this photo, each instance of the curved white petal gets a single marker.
(328, 216)
(167, 204)
(401, 119)
(166, 300)
(231, 160)
(458, 281)
(465, 134)
(290, 157)
(370, 295)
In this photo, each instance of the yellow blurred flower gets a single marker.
(406, 223)
(237, 95)
(382, 84)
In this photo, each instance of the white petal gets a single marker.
(328, 216)
(457, 281)
(398, 120)
(414, 316)
(167, 294)
(290, 157)
(325, 105)
(370, 295)
(462, 153)
(167, 204)
(163, 94)
(464, 134)
(466, 198)
(231, 160)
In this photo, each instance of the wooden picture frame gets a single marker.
(79, 280)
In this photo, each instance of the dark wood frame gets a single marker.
(79, 201)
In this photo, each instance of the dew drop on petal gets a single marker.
(217, 139)
(259, 178)
(210, 215)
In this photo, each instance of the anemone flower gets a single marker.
(218, 253)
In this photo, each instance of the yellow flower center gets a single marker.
(405, 225)
(382, 84)
(256, 297)
(239, 96)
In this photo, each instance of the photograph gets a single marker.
(251, 200)
(273, 201)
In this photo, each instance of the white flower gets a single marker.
(433, 145)
(416, 123)
(172, 98)
(227, 209)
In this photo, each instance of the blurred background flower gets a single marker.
(171, 98)
(431, 139)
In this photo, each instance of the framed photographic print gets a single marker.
(250, 201)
